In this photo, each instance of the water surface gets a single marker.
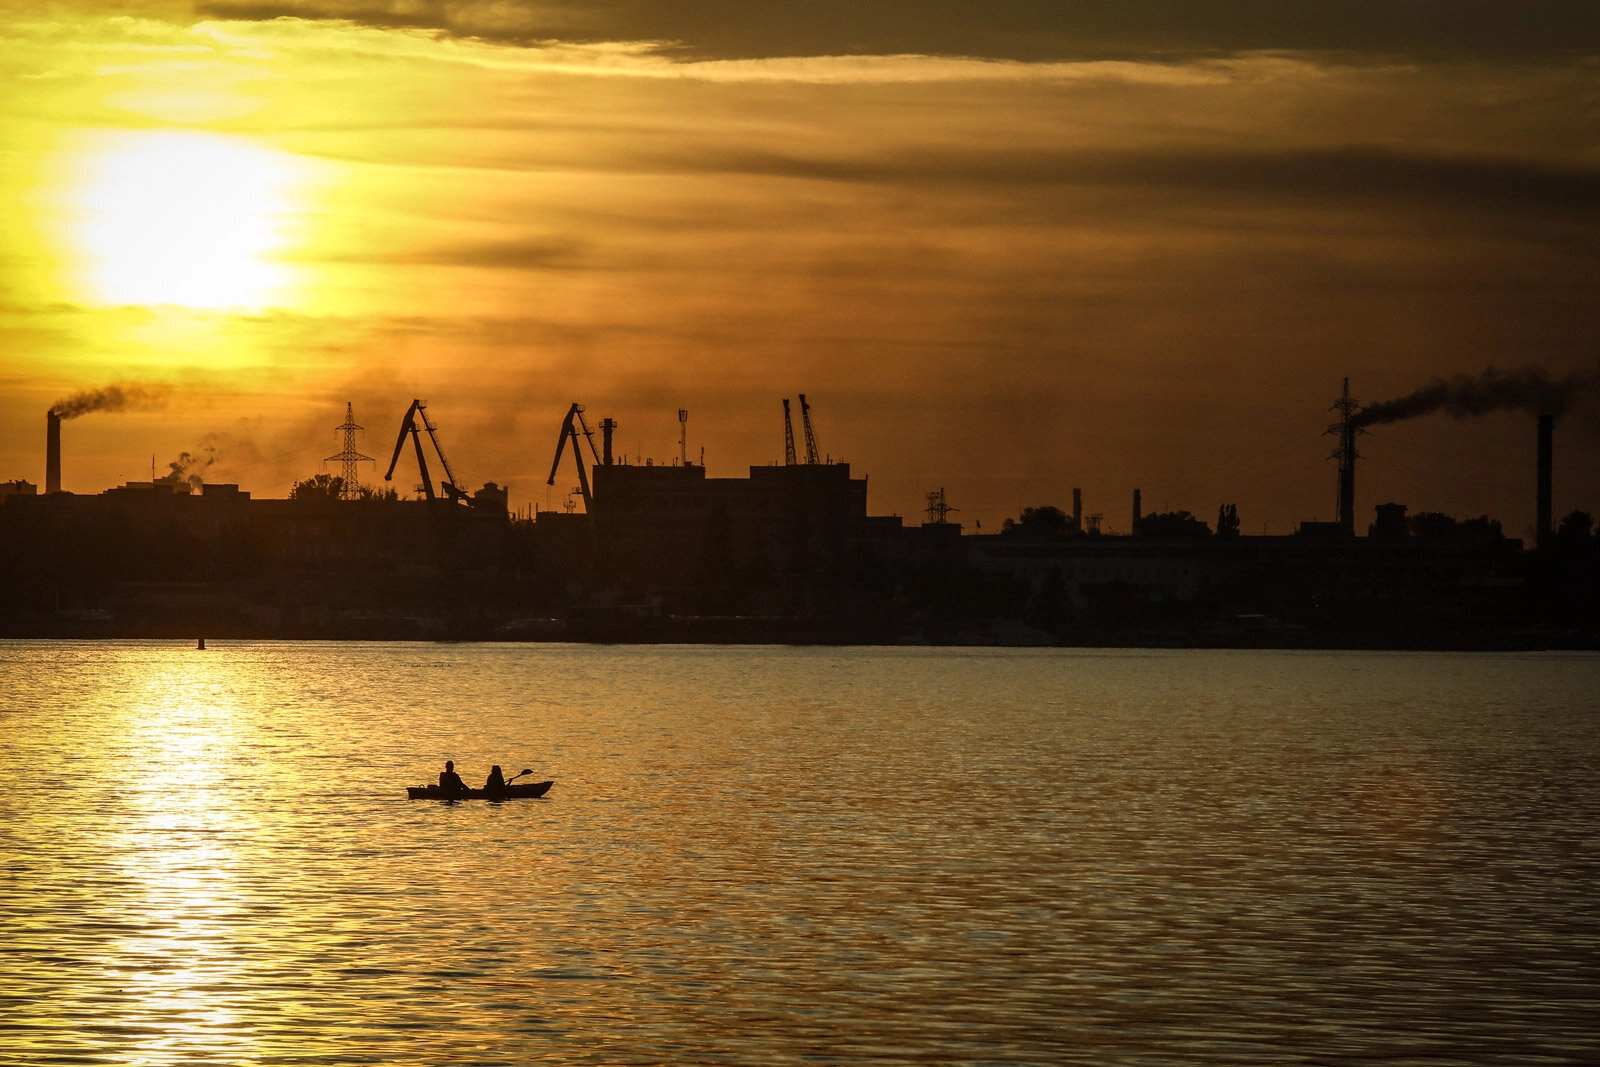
(775, 855)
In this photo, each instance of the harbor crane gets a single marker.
(788, 435)
(811, 438)
(570, 428)
(451, 485)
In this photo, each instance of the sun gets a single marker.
(181, 218)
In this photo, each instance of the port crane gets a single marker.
(570, 428)
(450, 486)
(788, 435)
(811, 438)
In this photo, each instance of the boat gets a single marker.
(512, 791)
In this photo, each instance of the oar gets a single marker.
(514, 777)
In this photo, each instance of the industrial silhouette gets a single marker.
(788, 552)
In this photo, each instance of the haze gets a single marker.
(1005, 251)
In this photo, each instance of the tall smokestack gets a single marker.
(52, 452)
(1077, 510)
(1138, 511)
(1547, 424)
(1347, 478)
(1352, 416)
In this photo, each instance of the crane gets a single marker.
(788, 435)
(450, 487)
(569, 429)
(811, 438)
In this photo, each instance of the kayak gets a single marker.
(514, 791)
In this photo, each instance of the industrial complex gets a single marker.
(790, 553)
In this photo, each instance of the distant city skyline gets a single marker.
(1005, 255)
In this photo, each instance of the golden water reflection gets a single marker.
(178, 849)
(785, 856)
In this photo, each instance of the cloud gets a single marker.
(1008, 271)
(1330, 173)
(1011, 29)
(516, 255)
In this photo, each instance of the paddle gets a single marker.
(519, 774)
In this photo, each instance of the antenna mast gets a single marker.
(350, 483)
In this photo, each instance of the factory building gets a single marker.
(672, 525)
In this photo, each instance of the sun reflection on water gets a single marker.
(177, 847)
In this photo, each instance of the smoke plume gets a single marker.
(119, 397)
(187, 467)
(1529, 389)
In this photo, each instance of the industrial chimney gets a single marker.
(52, 452)
(1547, 425)
(1347, 478)
(1346, 428)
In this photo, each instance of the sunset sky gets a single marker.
(1005, 248)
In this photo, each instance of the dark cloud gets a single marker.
(529, 255)
(1013, 29)
(1338, 173)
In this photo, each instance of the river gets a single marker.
(772, 855)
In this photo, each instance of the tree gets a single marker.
(1172, 524)
(1431, 524)
(1045, 521)
(1437, 526)
(1572, 536)
(1228, 520)
(318, 487)
(331, 487)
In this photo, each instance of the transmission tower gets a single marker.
(349, 457)
(939, 508)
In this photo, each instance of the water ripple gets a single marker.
(787, 856)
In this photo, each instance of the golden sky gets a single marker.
(1006, 253)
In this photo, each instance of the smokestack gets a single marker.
(1347, 478)
(607, 428)
(52, 452)
(1352, 416)
(1077, 510)
(1547, 425)
(1138, 511)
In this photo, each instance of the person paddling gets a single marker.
(449, 780)
(496, 785)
